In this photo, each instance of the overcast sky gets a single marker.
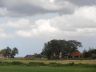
(28, 24)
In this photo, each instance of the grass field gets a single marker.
(12, 65)
(49, 61)
(46, 69)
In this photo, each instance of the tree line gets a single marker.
(60, 49)
(91, 53)
(8, 52)
(56, 49)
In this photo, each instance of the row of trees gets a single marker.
(56, 49)
(8, 52)
(91, 53)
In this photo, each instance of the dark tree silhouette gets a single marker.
(14, 52)
(91, 53)
(55, 49)
(8, 52)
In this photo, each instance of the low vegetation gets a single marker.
(23, 65)
(46, 69)
(17, 66)
(47, 62)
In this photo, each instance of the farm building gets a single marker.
(76, 54)
(72, 55)
(28, 56)
(33, 56)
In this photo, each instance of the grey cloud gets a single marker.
(27, 9)
(83, 2)
(23, 8)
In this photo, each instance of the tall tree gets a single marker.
(73, 45)
(14, 52)
(8, 52)
(91, 53)
(56, 48)
(3, 52)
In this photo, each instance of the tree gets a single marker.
(14, 52)
(3, 52)
(47, 52)
(8, 52)
(74, 45)
(91, 53)
(55, 49)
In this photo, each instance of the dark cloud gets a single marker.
(1, 3)
(27, 9)
(83, 2)
(16, 8)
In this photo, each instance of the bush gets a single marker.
(36, 64)
(71, 64)
(4, 63)
(52, 64)
(17, 63)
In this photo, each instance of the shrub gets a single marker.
(36, 64)
(17, 63)
(71, 64)
(4, 63)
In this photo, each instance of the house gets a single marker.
(28, 56)
(75, 54)
(33, 56)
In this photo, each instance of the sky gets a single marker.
(28, 24)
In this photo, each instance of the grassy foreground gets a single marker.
(49, 61)
(22, 65)
(46, 69)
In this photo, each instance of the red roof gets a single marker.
(75, 54)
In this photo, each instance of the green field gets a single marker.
(23, 65)
(49, 61)
(46, 69)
